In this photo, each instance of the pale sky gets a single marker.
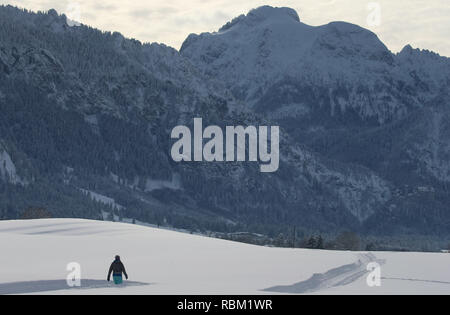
(422, 23)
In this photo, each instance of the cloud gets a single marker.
(101, 7)
(141, 14)
(421, 23)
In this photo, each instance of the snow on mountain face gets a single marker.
(431, 147)
(334, 88)
(8, 170)
(269, 53)
(244, 47)
(269, 42)
(103, 199)
(361, 191)
(114, 68)
(109, 93)
(429, 71)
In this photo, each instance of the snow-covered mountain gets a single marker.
(364, 132)
(339, 90)
(277, 64)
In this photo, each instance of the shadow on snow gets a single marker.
(56, 285)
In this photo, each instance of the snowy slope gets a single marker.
(35, 254)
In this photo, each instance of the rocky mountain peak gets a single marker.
(263, 14)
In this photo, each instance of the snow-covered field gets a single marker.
(34, 256)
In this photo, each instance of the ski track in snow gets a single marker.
(416, 280)
(335, 277)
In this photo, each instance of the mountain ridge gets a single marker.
(91, 110)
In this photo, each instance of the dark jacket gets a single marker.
(117, 268)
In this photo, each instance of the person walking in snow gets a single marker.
(117, 268)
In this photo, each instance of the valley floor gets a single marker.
(35, 254)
